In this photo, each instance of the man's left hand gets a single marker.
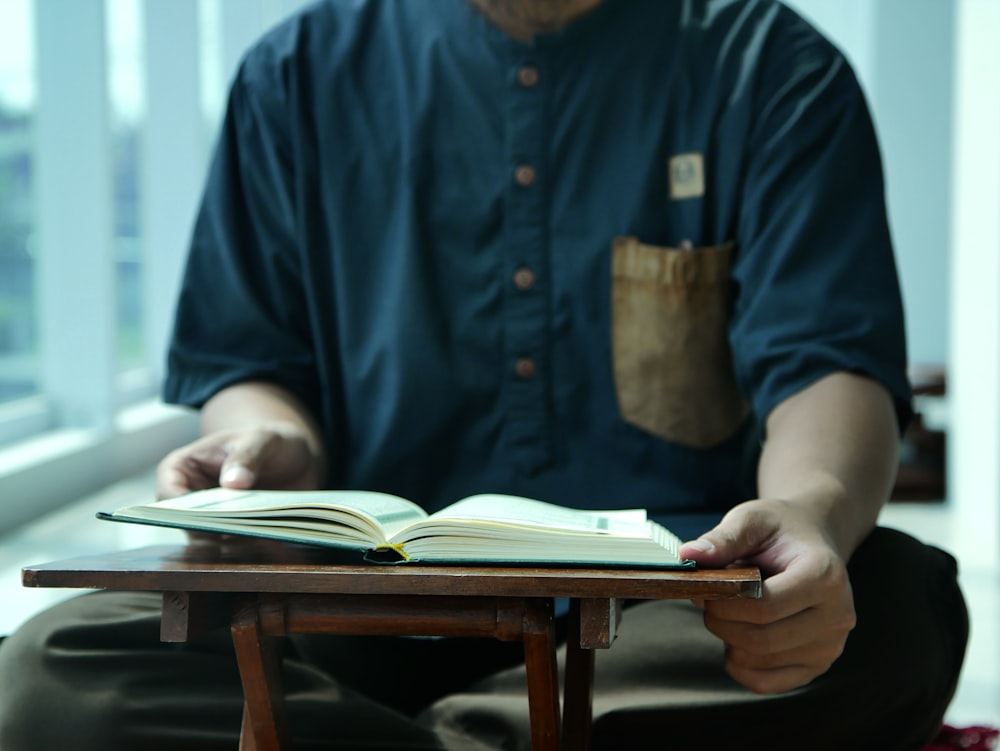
(799, 627)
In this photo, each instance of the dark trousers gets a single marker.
(91, 673)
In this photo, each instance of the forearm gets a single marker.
(254, 404)
(834, 448)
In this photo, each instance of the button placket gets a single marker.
(524, 278)
(526, 314)
(528, 76)
(525, 175)
(524, 368)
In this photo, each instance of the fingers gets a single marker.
(769, 665)
(218, 459)
(816, 578)
(814, 626)
(800, 625)
(780, 657)
(774, 680)
(269, 456)
(192, 467)
(170, 483)
(243, 457)
(741, 534)
(790, 636)
(816, 657)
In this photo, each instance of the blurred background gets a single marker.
(108, 112)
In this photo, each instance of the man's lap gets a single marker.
(96, 661)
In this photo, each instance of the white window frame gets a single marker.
(91, 425)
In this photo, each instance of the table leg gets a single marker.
(265, 725)
(543, 676)
(247, 740)
(578, 686)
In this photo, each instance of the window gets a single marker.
(126, 90)
(104, 138)
(19, 366)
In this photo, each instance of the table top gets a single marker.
(271, 567)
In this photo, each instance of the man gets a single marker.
(628, 252)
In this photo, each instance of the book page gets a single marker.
(522, 545)
(380, 515)
(513, 511)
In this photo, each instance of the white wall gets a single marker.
(903, 53)
(931, 70)
(974, 443)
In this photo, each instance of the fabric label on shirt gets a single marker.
(687, 176)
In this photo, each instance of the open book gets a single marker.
(478, 529)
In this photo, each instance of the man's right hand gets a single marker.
(275, 455)
(254, 435)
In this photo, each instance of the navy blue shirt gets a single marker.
(582, 268)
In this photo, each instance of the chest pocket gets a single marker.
(672, 362)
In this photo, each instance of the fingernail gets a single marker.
(236, 474)
(702, 545)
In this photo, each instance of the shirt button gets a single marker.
(524, 367)
(524, 175)
(527, 76)
(524, 279)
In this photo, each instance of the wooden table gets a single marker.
(267, 592)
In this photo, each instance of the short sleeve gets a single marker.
(815, 276)
(241, 313)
